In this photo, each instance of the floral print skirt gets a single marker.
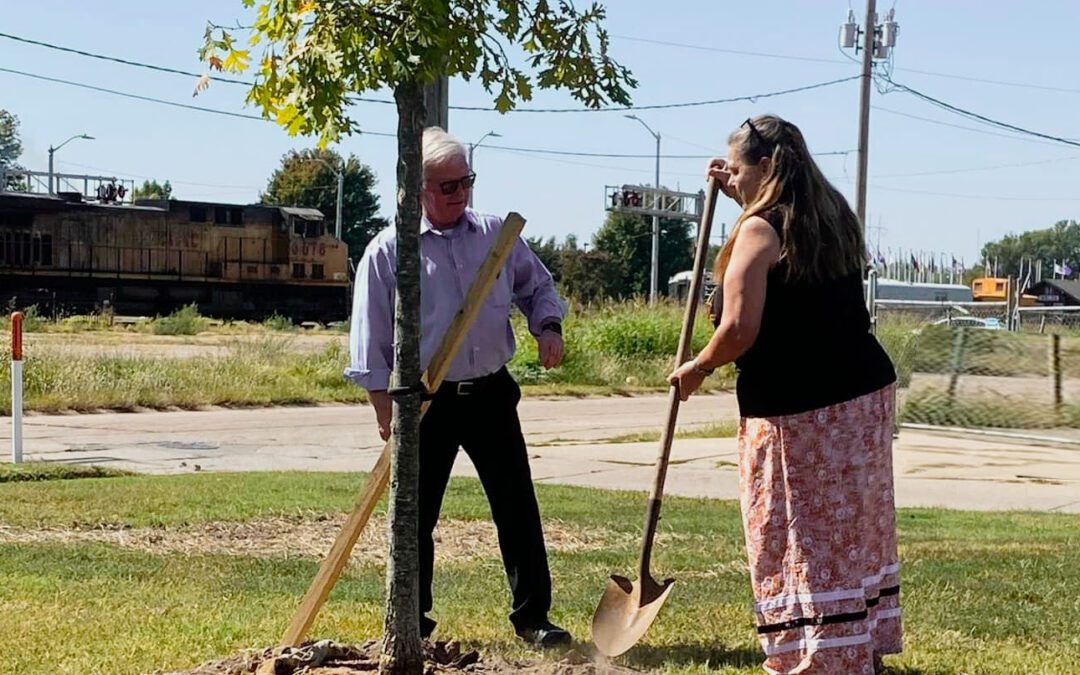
(819, 516)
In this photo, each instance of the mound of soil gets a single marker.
(331, 658)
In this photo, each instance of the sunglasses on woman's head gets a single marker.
(753, 129)
(449, 187)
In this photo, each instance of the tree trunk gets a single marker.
(402, 654)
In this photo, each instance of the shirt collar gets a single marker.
(469, 219)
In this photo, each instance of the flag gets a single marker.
(914, 263)
(1066, 271)
(1059, 269)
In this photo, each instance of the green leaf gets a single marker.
(316, 55)
(237, 60)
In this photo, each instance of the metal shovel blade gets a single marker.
(626, 611)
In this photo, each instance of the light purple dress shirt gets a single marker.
(449, 261)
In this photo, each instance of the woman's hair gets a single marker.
(821, 237)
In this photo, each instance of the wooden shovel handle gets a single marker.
(652, 516)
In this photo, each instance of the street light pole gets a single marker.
(472, 147)
(654, 272)
(340, 198)
(339, 171)
(52, 150)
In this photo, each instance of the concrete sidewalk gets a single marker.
(566, 445)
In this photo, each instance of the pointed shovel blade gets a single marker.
(626, 611)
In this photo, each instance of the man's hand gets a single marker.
(550, 347)
(384, 411)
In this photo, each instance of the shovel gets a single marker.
(627, 608)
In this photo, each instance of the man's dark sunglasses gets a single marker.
(449, 187)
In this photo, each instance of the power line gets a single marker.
(994, 167)
(795, 57)
(249, 83)
(976, 197)
(538, 151)
(148, 66)
(738, 52)
(752, 98)
(954, 195)
(152, 99)
(135, 175)
(115, 59)
(129, 95)
(1021, 85)
(615, 155)
(977, 117)
(929, 120)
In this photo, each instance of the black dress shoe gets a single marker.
(427, 627)
(544, 634)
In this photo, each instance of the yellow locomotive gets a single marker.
(153, 256)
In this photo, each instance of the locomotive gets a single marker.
(67, 254)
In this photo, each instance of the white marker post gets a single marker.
(16, 387)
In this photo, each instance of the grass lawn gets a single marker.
(983, 593)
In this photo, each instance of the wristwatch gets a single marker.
(702, 371)
(553, 326)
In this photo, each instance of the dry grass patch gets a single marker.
(292, 537)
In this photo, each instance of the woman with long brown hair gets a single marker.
(816, 398)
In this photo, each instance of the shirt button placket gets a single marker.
(459, 282)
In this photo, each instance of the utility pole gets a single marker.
(877, 41)
(437, 104)
(654, 273)
(865, 82)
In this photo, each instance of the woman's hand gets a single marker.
(688, 378)
(718, 169)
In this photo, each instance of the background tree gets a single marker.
(1060, 242)
(316, 58)
(151, 189)
(627, 240)
(305, 178)
(10, 146)
(549, 252)
(588, 276)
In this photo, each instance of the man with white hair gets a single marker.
(476, 407)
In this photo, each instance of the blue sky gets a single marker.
(933, 187)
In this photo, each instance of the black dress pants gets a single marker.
(481, 417)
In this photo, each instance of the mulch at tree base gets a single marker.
(331, 658)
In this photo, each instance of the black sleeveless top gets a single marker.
(814, 348)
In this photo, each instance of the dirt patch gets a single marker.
(301, 537)
(330, 658)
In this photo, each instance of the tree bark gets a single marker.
(402, 653)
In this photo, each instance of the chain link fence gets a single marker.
(973, 366)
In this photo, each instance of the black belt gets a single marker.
(473, 386)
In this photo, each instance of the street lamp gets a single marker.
(474, 146)
(654, 275)
(340, 171)
(53, 150)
